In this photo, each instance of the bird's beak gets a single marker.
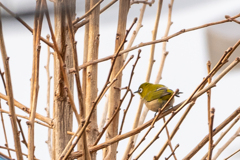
(136, 91)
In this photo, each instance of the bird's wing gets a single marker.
(156, 94)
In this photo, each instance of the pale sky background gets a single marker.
(185, 68)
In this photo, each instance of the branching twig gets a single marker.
(25, 24)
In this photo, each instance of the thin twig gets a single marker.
(232, 154)
(27, 110)
(13, 118)
(27, 118)
(38, 19)
(87, 13)
(21, 131)
(125, 113)
(211, 134)
(4, 130)
(48, 98)
(164, 45)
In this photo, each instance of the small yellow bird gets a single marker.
(155, 95)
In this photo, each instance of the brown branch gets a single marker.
(13, 118)
(143, 1)
(79, 132)
(164, 45)
(4, 130)
(87, 13)
(38, 19)
(27, 110)
(48, 141)
(211, 134)
(21, 131)
(4, 83)
(25, 24)
(210, 118)
(125, 113)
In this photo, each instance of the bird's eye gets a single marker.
(140, 90)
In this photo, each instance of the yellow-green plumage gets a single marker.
(155, 95)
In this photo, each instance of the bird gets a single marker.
(155, 96)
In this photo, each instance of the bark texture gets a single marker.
(62, 112)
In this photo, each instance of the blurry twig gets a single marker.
(142, 1)
(235, 135)
(4, 129)
(25, 24)
(232, 154)
(222, 135)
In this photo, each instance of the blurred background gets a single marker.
(185, 67)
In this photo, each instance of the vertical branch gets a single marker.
(13, 117)
(4, 131)
(164, 51)
(35, 76)
(92, 75)
(211, 134)
(77, 78)
(114, 94)
(48, 98)
(132, 139)
(210, 115)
